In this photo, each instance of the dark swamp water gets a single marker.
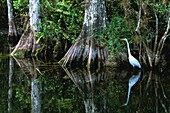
(33, 86)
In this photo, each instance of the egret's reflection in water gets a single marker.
(132, 81)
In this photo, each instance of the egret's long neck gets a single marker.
(128, 48)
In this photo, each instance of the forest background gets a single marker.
(145, 23)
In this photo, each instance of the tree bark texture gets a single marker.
(34, 20)
(95, 17)
(34, 14)
(86, 48)
(12, 32)
(27, 42)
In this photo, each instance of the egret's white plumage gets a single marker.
(132, 60)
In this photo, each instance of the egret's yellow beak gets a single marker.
(123, 39)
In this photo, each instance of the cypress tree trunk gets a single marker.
(34, 20)
(87, 50)
(27, 43)
(12, 32)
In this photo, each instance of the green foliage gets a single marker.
(21, 9)
(116, 29)
(60, 19)
(20, 5)
(113, 6)
(162, 8)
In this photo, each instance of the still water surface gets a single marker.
(29, 85)
(34, 86)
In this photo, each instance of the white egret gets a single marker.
(132, 60)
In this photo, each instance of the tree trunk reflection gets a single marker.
(29, 68)
(10, 90)
(87, 83)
